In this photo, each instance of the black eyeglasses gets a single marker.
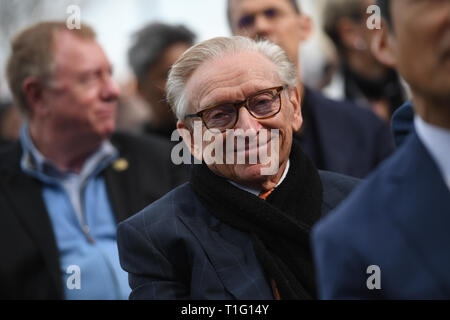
(261, 105)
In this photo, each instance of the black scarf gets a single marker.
(279, 227)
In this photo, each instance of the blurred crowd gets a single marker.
(349, 71)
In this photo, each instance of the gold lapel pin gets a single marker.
(120, 164)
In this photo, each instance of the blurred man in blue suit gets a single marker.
(402, 123)
(390, 239)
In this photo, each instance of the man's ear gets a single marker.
(306, 26)
(187, 134)
(383, 46)
(297, 119)
(33, 92)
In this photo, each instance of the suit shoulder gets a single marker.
(336, 187)
(371, 200)
(166, 208)
(338, 181)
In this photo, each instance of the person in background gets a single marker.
(361, 77)
(337, 136)
(10, 121)
(235, 231)
(155, 49)
(70, 180)
(390, 239)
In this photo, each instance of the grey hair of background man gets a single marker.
(216, 48)
(150, 42)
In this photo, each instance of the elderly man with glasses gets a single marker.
(233, 231)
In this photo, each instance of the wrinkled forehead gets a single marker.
(77, 54)
(230, 78)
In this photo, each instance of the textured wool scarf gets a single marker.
(279, 226)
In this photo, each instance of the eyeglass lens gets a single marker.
(260, 106)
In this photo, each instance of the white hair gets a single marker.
(207, 50)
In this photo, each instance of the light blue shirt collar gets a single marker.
(437, 142)
(33, 161)
(35, 164)
(257, 192)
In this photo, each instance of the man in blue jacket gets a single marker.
(238, 229)
(390, 238)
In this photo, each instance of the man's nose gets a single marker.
(262, 26)
(110, 89)
(246, 121)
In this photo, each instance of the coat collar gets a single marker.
(26, 201)
(229, 251)
(437, 141)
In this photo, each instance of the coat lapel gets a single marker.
(119, 194)
(25, 195)
(232, 256)
(423, 209)
(131, 184)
